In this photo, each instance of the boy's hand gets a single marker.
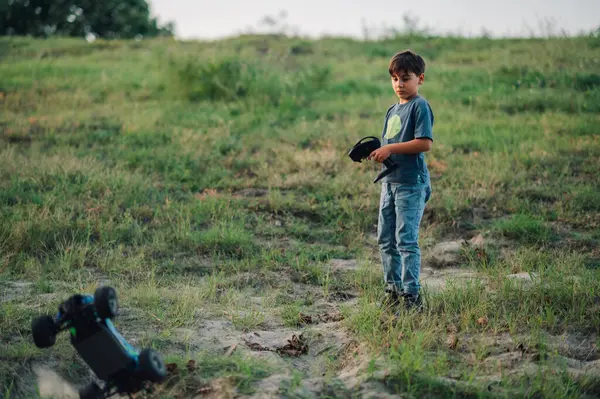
(380, 154)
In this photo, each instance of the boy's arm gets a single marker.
(409, 147)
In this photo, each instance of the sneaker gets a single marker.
(413, 302)
(392, 297)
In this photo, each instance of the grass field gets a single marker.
(208, 182)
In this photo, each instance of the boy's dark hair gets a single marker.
(407, 61)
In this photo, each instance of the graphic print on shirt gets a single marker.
(393, 127)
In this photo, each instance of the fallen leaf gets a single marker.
(231, 349)
(156, 317)
(255, 346)
(191, 365)
(452, 341)
(295, 347)
(332, 316)
(304, 318)
(205, 390)
(172, 368)
(291, 352)
(482, 321)
(437, 166)
(209, 192)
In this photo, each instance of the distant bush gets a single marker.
(231, 79)
(595, 38)
(584, 82)
(212, 81)
(546, 100)
(301, 47)
(350, 86)
(379, 52)
(530, 78)
(586, 200)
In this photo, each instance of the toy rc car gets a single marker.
(364, 148)
(113, 360)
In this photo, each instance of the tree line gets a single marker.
(110, 19)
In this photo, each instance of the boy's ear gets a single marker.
(421, 78)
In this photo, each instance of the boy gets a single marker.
(407, 135)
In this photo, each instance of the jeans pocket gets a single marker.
(426, 184)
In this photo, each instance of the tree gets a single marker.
(103, 18)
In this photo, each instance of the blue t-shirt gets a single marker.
(405, 122)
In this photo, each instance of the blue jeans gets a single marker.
(400, 211)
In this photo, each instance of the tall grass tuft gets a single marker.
(231, 79)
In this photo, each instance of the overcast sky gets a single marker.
(210, 19)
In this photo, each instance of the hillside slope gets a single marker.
(208, 182)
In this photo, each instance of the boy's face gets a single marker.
(406, 85)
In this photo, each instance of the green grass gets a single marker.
(210, 181)
(525, 228)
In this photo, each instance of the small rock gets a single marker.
(449, 246)
(524, 276)
(438, 279)
(270, 386)
(230, 350)
(446, 253)
(477, 241)
(51, 385)
(221, 388)
(257, 300)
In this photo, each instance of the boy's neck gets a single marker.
(404, 101)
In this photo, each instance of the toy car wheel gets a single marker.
(152, 367)
(107, 304)
(44, 331)
(91, 391)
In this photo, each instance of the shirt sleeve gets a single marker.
(423, 121)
